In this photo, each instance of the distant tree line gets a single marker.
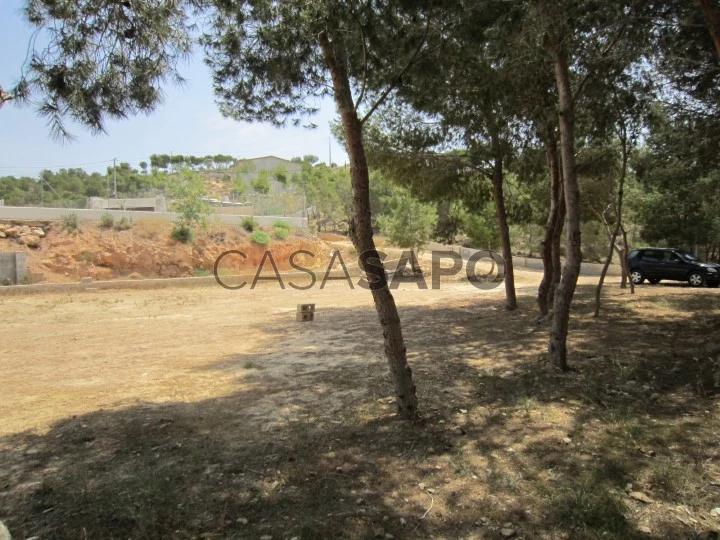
(59, 188)
(178, 161)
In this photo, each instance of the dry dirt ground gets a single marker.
(206, 413)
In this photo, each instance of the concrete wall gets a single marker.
(163, 283)
(157, 204)
(13, 266)
(586, 268)
(23, 213)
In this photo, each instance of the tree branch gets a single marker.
(398, 77)
(606, 51)
(4, 96)
(361, 97)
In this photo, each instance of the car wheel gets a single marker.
(654, 281)
(637, 276)
(696, 279)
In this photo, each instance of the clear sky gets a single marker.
(187, 123)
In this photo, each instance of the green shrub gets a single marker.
(70, 222)
(85, 256)
(249, 224)
(280, 224)
(123, 225)
(281, 233)
(260, 237)
(106, 220)
(182, 233)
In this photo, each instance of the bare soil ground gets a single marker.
(206, 413)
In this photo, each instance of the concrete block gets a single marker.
(306, 308)
(13, 267)
(305, 316)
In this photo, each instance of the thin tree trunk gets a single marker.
(626, 252)
(618, 215)
(557, 348)
(497, 183)
(713, 22)
(606, 266)
(557, 245)
(544, 298)
(624, 152)
(361, 231)
(621, 253)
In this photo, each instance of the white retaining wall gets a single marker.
(31, 213)
(586, 268)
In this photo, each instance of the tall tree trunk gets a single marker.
(553, 222)
(713, 22)
(361, 229)
(625, 154)
(624, 261)
(622, 256)
(557, 348)
(497, 184)
(557, 245)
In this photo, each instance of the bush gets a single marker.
(85, 256)
(70, 222)
(187, 194)
(182, 233)
(249, 224)
(107, 221)
(281, 233)
(123, 225)
(260, 237)
(280, 224)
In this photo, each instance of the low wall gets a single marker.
(163, 283)
(156, 204)
(13, 266)
(586, 268)
(31, 213)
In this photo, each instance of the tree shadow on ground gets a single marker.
(309, 448)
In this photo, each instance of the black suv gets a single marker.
(655, 264)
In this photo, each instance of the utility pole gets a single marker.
(115, 178)
(329, 152)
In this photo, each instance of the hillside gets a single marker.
(145, 250)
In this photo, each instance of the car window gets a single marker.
(688, 257)
(650, 255)
(671, 257)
